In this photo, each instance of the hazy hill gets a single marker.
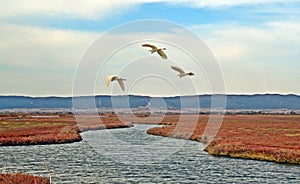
(267, 101)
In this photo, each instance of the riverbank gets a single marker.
(261, 137)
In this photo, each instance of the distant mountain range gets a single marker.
(233, 102)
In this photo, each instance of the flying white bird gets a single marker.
(115, 78)
(155, 49)
(181, 72)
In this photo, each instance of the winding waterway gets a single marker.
(131, 156)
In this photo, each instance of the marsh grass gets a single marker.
(262, 137)
(22, 178)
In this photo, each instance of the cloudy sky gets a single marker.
(43, 43)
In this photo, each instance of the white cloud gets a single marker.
(38, 61)
(76, 8)
(222, 3)
(256, 59)
(272, 42)
(97, 9)
(33, 46)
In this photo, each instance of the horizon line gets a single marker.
(142, 95)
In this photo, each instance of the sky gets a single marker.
(254, 47)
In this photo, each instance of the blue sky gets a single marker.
(256, 44)
(244, 14)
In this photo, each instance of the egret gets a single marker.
(115, 78)
(155, 49)
(181, 72)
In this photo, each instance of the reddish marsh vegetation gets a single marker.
(21, 178)
(24, 129)
(264, 137)
(31, 130)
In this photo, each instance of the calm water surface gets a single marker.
(131, 156)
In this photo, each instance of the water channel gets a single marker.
(129, 155)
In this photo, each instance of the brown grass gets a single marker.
(263, 137)
(21, 178)
(25, 129)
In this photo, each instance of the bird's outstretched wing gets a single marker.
(177, 69)
(162, 54)
(121, 83)
(149, 45)
(108, 79)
